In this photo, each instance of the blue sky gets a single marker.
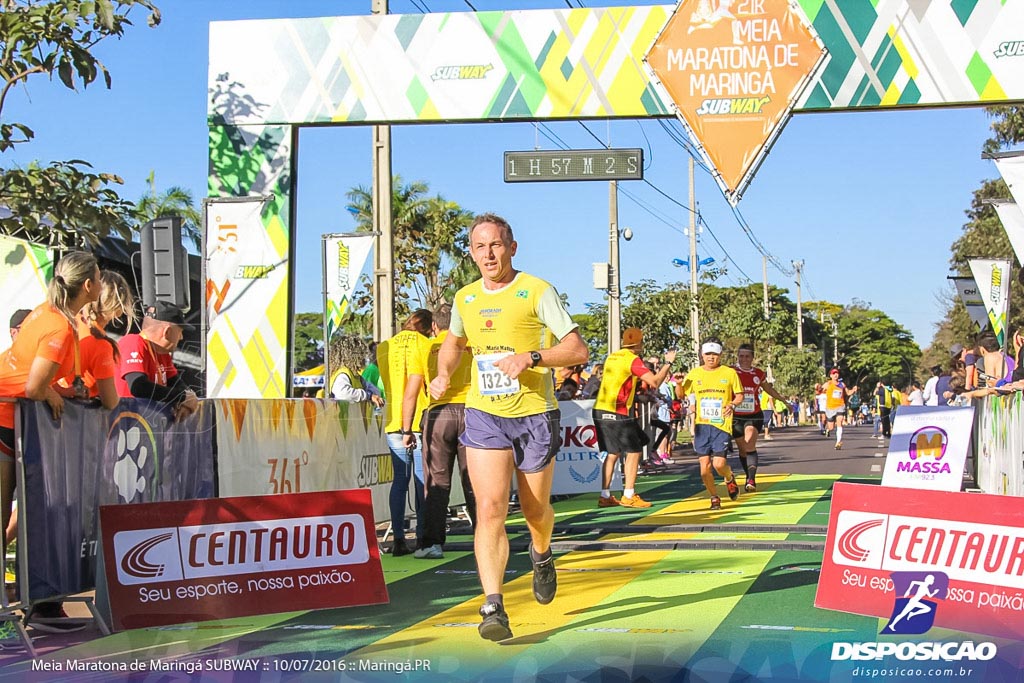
(871, 201)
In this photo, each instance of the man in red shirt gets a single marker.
(147, 369)
(617, 430)
(747, 419)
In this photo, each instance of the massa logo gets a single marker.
(861, 537)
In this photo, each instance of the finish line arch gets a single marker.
(268, 78)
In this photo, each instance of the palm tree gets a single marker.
(430, 244)
(174, 201)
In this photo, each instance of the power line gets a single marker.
(701, 221)
(470, 5)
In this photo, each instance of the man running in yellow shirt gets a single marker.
(617, 430)
(512, 418)
(835, 404)
(718, 391)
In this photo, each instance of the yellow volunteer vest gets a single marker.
(714, 390)
(458, 388)
(397, 358)
(503, 322)
(617, 373)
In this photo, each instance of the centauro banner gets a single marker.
(172, 563)
(246, 301)
(993, 279)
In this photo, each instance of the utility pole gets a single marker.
(383, 244)
(694, 316)
(835, 343)
(764, 277)
(614, 289)
(798, 266)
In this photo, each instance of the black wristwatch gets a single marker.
(535, 358)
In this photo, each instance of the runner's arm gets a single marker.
(656, 380)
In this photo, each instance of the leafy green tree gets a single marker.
(431, 245)
(983, 236)
(796, 371)
(64, 203)
(662, 312)
(873, 347)
(309, 341)
(174, 201)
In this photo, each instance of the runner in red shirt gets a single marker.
(748, 419)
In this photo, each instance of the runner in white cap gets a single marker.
(718, 391)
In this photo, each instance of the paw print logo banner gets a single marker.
(136, 453)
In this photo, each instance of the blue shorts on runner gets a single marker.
(534, 439)
(709, 440)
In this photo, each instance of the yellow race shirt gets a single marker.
(458, 388)
(517, 318)
(714, 390)
(618, 383)
(399, 357)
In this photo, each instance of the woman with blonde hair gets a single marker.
(100, 355)
(45, 352)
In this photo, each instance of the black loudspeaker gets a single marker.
(164, 263)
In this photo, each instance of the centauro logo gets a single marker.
(1011, 48)
(237, 548)
(253, 272)
(461, 73)
(732, 106)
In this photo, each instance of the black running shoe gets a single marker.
(495, 623)
(732, 488)
(545, 580)
(51, 618)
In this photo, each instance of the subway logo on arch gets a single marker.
(145, 556)
(979, 553)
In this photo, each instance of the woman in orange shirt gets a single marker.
(45, 352)
(100, 355)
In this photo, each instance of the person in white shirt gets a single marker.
(931, 398)
(915, 395)
(346, 384)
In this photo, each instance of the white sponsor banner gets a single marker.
(246, 274)
(1012, 218)
(344, 258)
(1011, 167)
(579, 461)
(239, 548)
(993, 279)
(988, 554)
(300, 445)
(928, 448)
(968, 291)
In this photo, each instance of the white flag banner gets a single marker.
(1012, 217)
(993, 279)
(344, 258)
(969, 295)
(1011, 167)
